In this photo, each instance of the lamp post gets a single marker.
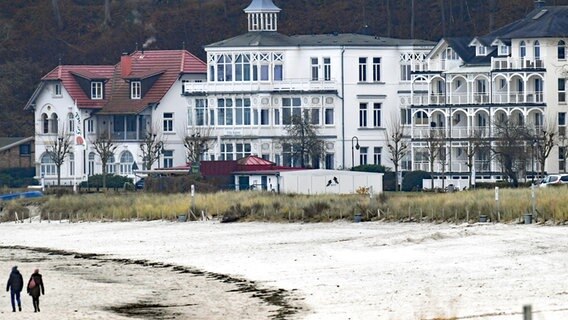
(353, 149)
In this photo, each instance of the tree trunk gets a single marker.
(58, 176)
(107, 21)
(396, 188)
(412, 14)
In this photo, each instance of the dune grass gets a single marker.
(551, 205)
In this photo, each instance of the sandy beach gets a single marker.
(336, 270)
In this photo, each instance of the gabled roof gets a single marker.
(165, 65)
(66, 74)
(275, 39)
(160, 69)
(461, 46)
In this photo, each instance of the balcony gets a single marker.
(458, 132)
(287, 85)
(453, 99)
(516, 64)
(518, 97)
(513, 97)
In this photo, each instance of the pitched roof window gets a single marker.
(96, 90)
(135, 90)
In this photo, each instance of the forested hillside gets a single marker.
(36, 35)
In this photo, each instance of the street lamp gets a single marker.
(353, 149)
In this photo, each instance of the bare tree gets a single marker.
(443, 160)
(303, 137)
(151, 147)
(397, 145)
(196, 142)
(433, 142)
(510, 148)
(544, 139)
(105, 148)
(58, 148)
(475, 144)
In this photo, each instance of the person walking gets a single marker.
(35, 288)
(15, 286)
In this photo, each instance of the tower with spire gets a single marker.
(262, 16)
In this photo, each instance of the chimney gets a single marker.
(539, 4)
(125, 65)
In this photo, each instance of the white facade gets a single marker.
(351, 86)
(520, 78)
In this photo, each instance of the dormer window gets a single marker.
(522, 49)
(96, 90)
(135, 90)
(481, 50)
(503, 49)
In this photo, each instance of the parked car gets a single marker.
(554, 180)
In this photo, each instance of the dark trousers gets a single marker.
(15, 297)
(35, 301)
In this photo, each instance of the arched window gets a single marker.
(91, 164)
(126, 161)
(54, 123)
(111, 164)
(71, 122)
(71, 164)
(522, 49)
(561, 50)
(47, 167)
(537, 50)
(44, 123)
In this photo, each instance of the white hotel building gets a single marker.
(350, 85)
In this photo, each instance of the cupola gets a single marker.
(262, 15)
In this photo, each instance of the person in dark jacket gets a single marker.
(15, 286)
(35, 288)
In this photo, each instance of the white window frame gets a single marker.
(376, 69)
(377, 158)
(327, 69)
(57, 90)
(168, 156)
(135, 90)
(168, 122)
(90, 126)
(562, 90)
(97, 90)
(362, 69)
(47, 166)
(377, 115)
(314, 69)
(363, 112)
(363, 156)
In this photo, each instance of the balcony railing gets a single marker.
(518, 97)
(457, 132)
(478, 98)
(516, 64)
(457, 166)
(285, 85)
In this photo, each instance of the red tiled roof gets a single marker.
(65, 75)
(165, 65)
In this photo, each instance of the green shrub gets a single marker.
(112, 181)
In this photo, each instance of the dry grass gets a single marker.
(551, 204)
